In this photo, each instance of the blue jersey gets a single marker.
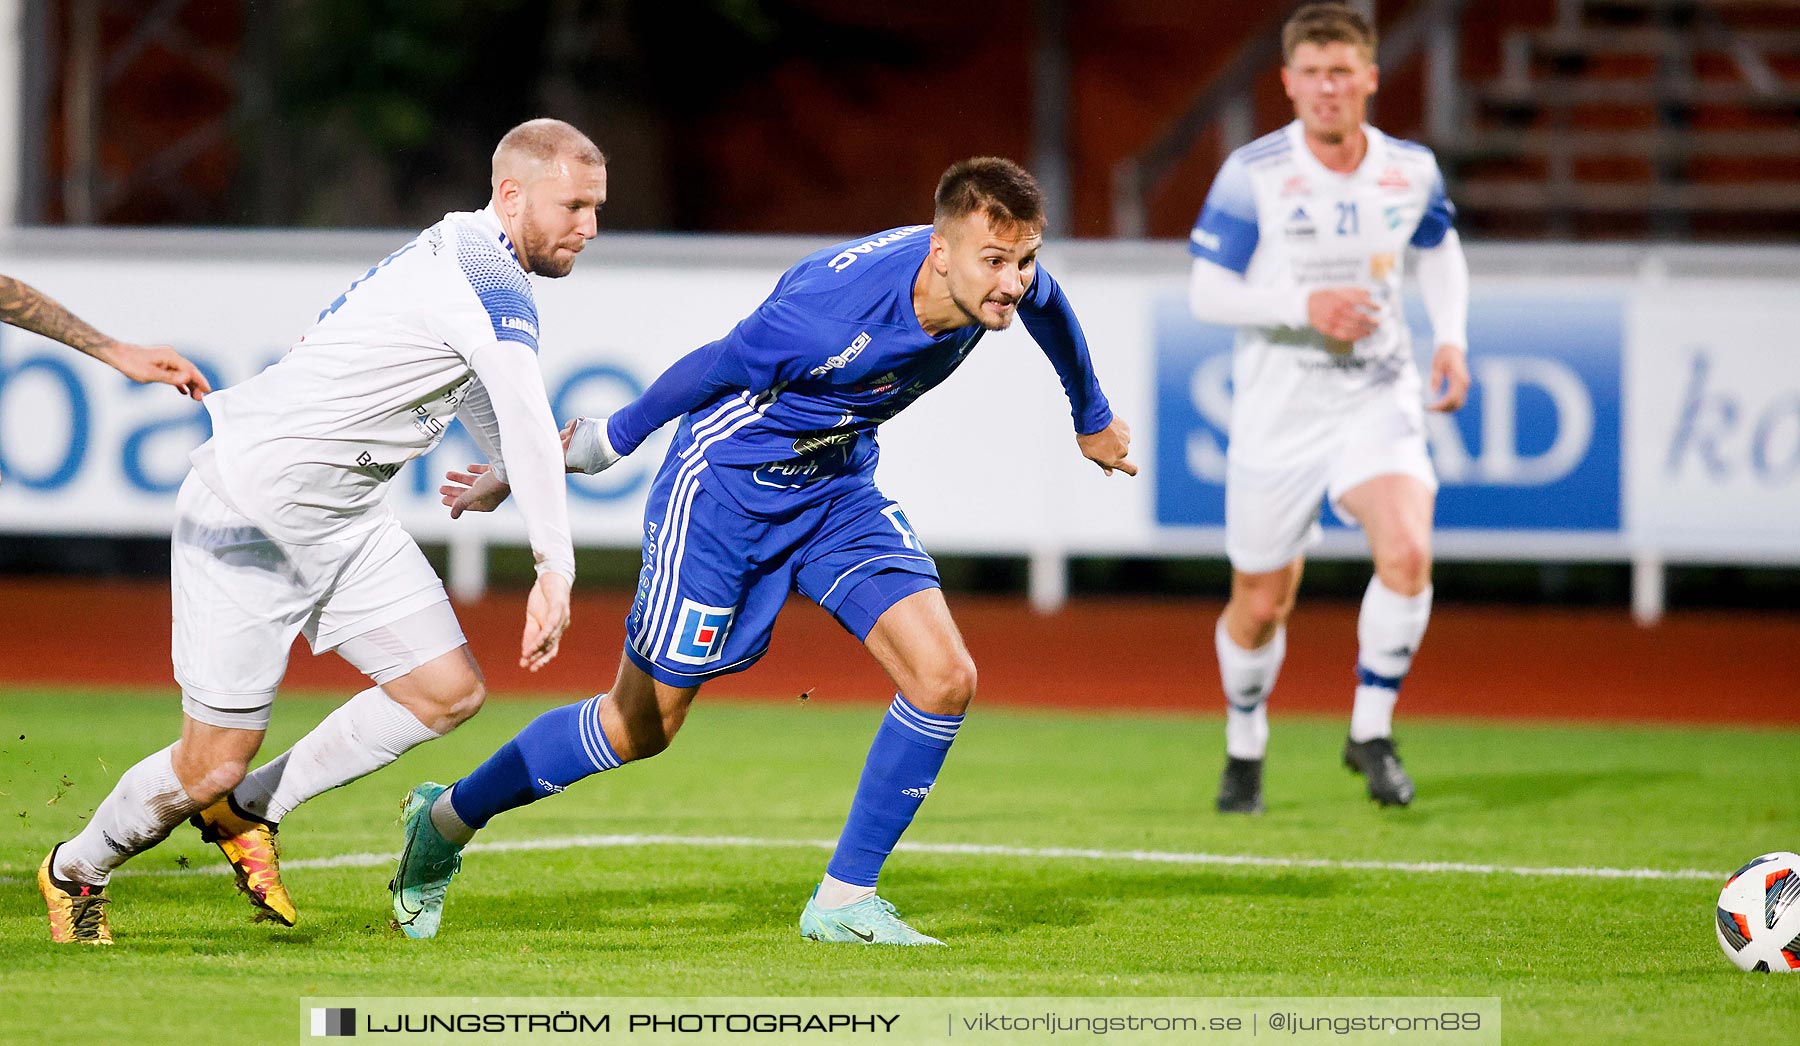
(781, 413)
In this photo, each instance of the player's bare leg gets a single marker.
(1251, 641)
(641, 716)
(361, 736)
(1395, 511)
(150, 799)
(916, 642)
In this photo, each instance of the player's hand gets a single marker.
(1343, 313)
(147, 363)
(1108, 447)
(1450, 372)
(546, 619)
(586, 448)
(477, 490)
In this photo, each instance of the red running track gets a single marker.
(1477, 661)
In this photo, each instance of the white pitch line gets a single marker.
(599, 842)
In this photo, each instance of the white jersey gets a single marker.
(306, 448)
(1286, 223)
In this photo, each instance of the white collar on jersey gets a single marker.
(1373, 158)
(491, 219)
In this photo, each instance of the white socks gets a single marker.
(1248, 676)
(1388, 632)
(835, 893)
(446, 821)
(146, 804)
(366, 733)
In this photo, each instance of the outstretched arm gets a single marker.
(1104, 439)
(758, 355)
(23, 305)
(593, 445)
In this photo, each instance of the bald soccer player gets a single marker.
(282, 529)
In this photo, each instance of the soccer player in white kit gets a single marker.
(282, 529)
(1301, 245)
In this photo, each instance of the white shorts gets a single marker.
(240, 596)
(1272, 511)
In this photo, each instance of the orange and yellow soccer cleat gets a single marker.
(77, 910)
(249, 845)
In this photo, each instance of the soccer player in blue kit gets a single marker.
(769, 487)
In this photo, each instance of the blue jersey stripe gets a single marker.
(504, 292)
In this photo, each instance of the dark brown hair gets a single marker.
(1321, 24)
(999, 188)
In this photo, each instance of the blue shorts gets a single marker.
(713, 579)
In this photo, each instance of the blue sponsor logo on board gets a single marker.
(1537, 447)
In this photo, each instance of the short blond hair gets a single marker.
(1321, 24)
(544, 141)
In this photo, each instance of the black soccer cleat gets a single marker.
(1240, 786)
(1377, 761)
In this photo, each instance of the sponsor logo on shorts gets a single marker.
(700, 637)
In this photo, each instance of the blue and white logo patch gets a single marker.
(700, 637)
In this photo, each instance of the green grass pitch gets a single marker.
(1575, 958)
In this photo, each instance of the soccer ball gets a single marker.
(1759, 920)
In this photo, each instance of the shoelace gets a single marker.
(88, 913)
(888, 909)
(435, 889)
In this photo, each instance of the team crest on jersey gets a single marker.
(1395, 216)
(1393, 178)
(700, 637)
(1300, 225)
(1297, 185)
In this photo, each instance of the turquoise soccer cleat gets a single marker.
(869, 921)
(427, 861)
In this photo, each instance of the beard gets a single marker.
(540, 251)
(973, 309)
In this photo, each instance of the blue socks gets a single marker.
(554, 751)
(903, 764)
(566, 744)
